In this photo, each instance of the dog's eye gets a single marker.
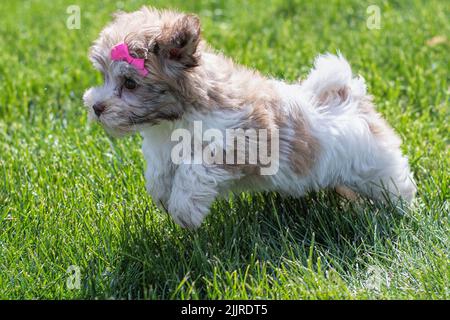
(130, 84)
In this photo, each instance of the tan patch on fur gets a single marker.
(332, 96)
(234, 167)
(305, 147)
(266, 114)
(347, 193)
(246, 169)
(379, 128)
(262, 116)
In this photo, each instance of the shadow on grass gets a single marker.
(248, 235)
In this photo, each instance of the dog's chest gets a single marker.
(156, 147)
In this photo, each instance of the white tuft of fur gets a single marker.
(358, 88)
(331, 73)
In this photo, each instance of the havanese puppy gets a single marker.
(211, 127)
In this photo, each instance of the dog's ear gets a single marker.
(178, 41)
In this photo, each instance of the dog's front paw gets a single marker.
(186, 213)
(160, 201)
(160, 193)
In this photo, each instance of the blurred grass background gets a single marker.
(70, 195)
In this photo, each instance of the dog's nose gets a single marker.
(98, 108)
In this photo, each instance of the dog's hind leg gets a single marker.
(346, 192)
(388, 175)
(377, 167)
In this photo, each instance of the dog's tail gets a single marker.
(331, 81)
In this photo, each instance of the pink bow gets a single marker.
(120, 53)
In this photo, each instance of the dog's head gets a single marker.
(131, 97)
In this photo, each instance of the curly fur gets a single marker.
(329, 132)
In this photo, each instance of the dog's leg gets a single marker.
(160, 169)
(159, 186)
(382, 171)
(347, 193)
(194, 189)
(389, 179)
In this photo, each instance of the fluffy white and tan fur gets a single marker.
(330, 135)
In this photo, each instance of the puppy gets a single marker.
(162, 80)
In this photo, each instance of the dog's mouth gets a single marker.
(114, 125)
(117, 131)
(125, 124)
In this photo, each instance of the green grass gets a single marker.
(70, 195)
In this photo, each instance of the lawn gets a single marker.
(72, 198)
